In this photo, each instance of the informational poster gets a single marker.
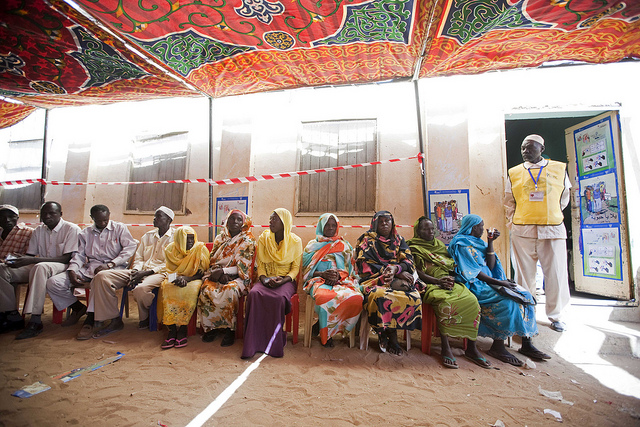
(602, 252)
(599, 199)
(599, 204)
(224, 205)
(594, 147)
(446, 209)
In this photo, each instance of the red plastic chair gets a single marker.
(57, 314)
(430, 328)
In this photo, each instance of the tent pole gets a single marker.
(210, 168)
(425, 204)
(45, 155)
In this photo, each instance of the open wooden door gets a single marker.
(598, 208)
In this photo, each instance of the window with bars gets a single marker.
(23, 160)
(158, 158)
(338, 143)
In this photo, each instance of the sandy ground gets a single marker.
(593, 366)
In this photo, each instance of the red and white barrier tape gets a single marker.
(35, 224)
(243, 180)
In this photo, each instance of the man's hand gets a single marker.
(137, 277)
(100, 268)
(21, 261)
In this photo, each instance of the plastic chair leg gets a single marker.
(125, 301)
(193, 324)
(308, 321)
(153, 312)
(295, 308)
(240, 319)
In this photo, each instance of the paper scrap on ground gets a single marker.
(554, 413)
(555, 395)
(69, 375)
(30, 390)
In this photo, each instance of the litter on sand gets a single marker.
(555, 395)
(69, 375)
(555, 414)
(30, 390)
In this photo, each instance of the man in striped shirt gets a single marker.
(14, 240)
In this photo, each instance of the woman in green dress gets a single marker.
(456, 308)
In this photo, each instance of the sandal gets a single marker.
(506, 358)
(383, 342)
(168, 343)
(449, 362)
(480, 361)
(534, 354)
(182, 342)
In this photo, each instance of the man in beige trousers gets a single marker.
(146, 274)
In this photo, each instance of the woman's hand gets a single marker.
(331, 277)
(492, 234)
(508, 284)
(389, 273)
(180, 281)
(446, 283)
(213, 274)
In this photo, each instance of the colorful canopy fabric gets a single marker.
(103, 51)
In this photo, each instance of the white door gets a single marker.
(598, 208)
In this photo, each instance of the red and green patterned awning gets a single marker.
(103, 51)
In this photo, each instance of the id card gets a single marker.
(536, 196)
(172, 277)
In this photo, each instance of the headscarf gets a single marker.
(182, 261)
(430, 252)
(374, 252)
(238, 250)
(470, 252)
(289, 249)
(317, 249)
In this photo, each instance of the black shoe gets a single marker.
(10, 326)
(74, 316)
(229, 338)
(32, 330)
(143, 324)
(210, 335)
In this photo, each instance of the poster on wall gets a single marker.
(224, 205)
(594, 147)
(601, 252)
(446, 209)
(599, 199)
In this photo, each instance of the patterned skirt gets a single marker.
(218, 304)
(393, 309)
(338, 307)
(457, 311)
(178, 304)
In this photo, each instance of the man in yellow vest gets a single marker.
(535, 194)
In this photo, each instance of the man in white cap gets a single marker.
(536, 193)
(146, 274)
(50, 249)
(14, 240)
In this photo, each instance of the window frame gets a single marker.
(130, 167)
(375, 168)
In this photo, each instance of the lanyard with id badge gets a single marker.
(536, 196)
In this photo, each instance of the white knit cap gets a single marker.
(10, 208)
(536, 138)
(167, 211)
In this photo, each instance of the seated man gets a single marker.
(14, 240)
(147, 273)
(106, 245)
(50, 249)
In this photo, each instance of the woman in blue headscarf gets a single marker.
(480, 270)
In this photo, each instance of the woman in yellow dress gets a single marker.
(188, 259)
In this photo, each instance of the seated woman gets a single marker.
(480, 270)
(330, 279)
(188, 259)
(268, 301)
(228, 278)
(385, 266)
(456, 308)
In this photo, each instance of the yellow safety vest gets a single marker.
(551, 185)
